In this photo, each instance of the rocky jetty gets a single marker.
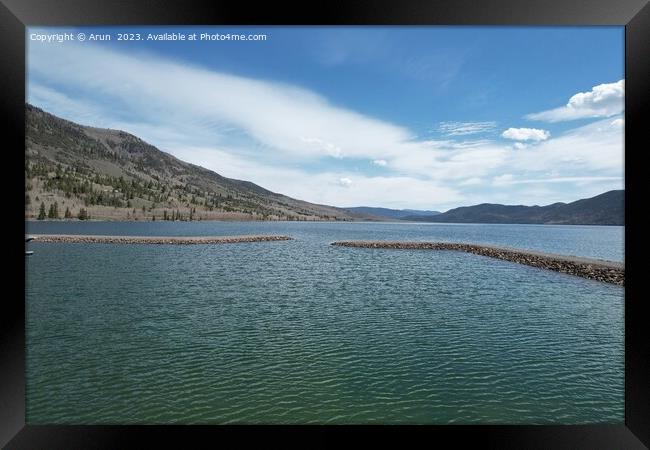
(605, 271)
(175, 240)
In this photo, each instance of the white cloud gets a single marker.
(345, 182)
(65, 106)
(526, 134)
(509, 179)
(394, 191)
(275, 120)
(503, 179)
(604, 100)
(596, 147)
(275, 134)
(330, 188)
(471, 181)
(279, 116)
(464, 128)
(331, 149)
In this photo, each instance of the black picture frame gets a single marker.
(15, 15)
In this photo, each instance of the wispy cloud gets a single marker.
(509, 179)
(340, 188)
(596, 148)
(604, 100)
(465, 128)
(293, 140)
(471, 181)
(345, 182)
(283, 117)
(379, 50)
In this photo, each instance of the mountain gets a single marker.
(604, 209)
(73, 170)
(390, 213)
(111, 174)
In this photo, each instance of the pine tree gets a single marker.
(50, 212)
(56, 210)
(41, 212)
(83, 214)
(68, 214)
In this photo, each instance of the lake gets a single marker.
(303, 332)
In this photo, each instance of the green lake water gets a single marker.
(304, 332)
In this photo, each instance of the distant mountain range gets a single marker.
(74, 171)
(388, 213)
(604, 209)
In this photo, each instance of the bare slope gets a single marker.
(115, 175)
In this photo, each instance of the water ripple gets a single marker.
(299, 332)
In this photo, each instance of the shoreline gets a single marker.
(612, 272)
(381, 221)
(157, 240)
(595, 269)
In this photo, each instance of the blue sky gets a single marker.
(400, 117)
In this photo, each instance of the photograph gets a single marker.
(344, 225)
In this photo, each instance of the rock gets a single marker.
(168, 240)
(605, 271)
